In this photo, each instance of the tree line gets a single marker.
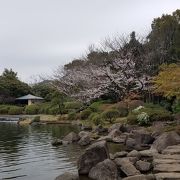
(122, 65)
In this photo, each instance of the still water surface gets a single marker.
(26, 152)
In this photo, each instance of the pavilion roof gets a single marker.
(29, 97)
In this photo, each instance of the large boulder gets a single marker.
(106, 170)
(84, 141)
(71, 137)
(166, 139)
(143, 137)
(68, 176)
(94, 154)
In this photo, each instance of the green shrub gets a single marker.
(158, 114)
(4, 109)
(72, 116)
(132, 119)
(97, 119)
(85, 114)
(32, 109)
(122, 108)
(73, 105)
(36, 119)
(143, 119)
(92, 115)
(176, 106)
(53, 110)
(110, 115)
(15, 110)
(44, 108)
(95, 107)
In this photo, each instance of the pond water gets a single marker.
(26, 152)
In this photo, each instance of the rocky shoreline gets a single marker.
(148, 156)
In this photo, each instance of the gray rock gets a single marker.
(114, 133)
(116, 126)
(71, 137)
(120, 139)
(148, 153)
(126, 128)
(66, 142)
(130, 143)
(167, 156)
(106, 138)
(120, 154)
(84, 133)
(166, 161)
(172, 150)
(105, 170)
(167, 168)
(117, 137)
(86, 128)
(143, 166)
(101, 130)
(143, 137)
(133, 160)
(84, 141)
(57, 142)
(166, 139)
(167, 176)
(96, 153)
(134, 153)
(126, 166)
(67, 176)
(141, 177)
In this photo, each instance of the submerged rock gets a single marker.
(57, 142)
(68, 176)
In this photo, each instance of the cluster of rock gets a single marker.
(148, 156)
(83, 139)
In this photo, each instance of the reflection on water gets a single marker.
(26, 152)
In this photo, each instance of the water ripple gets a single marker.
(26, 152)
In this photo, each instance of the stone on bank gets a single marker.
(94, 154)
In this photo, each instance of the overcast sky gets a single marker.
(38, 35)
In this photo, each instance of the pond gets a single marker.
(26, 152)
